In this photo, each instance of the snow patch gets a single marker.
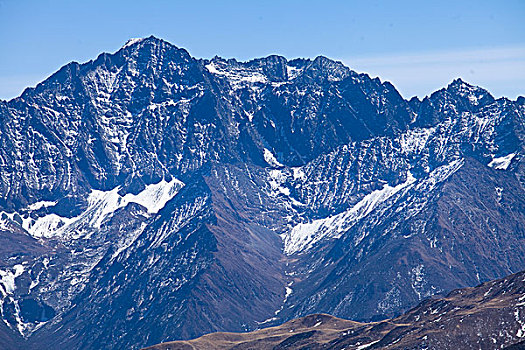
(414, 141)
(7, 280)
(211, 68)
(502, 163)
(155, 196)
(521, 331)
(298, 174)
(238, 76)
(277, 178)
(418, 280)
(46, 226)
(293, 72)
(249, 115)
(132, 41)
(288, 292)
(475, 99)
(101, 205)
(270, 159)
(41, 204)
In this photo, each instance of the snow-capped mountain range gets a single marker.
(148, 196)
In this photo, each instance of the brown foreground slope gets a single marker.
(489, 316)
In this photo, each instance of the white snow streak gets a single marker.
(303, 236)
(364, 346)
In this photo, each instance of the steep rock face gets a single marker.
(424, 239)
(167, 196)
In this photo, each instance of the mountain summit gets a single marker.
(149, 196)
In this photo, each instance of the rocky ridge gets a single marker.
(150, 187)
(489, 316)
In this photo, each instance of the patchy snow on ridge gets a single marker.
(277, 178)
(413, 141)
(502, 163)
(101, 205)
(304, 235)
(239, 77)
(293, 72)
(46, 226)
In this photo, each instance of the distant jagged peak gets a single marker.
(270, 59)
(152, 51)
(462, 86)
(475, 95)
(326, 68)
(138, 55)
(273, 68)
(277, 68)
(224, 62)
(153, 45)
(151, 39)
(260, 61)
(451, 102)
(458, 96)
(323, 60)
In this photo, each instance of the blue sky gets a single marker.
(420, 46)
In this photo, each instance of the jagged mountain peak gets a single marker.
(145, 40)
(208, 162)
(472, 97)
(466, 89)
(452, 101)
(152, 47)
(323, 68)
(134, 41)
(327, 62)
(138, 57)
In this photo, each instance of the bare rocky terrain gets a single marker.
(148, 196)
(489, 316)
